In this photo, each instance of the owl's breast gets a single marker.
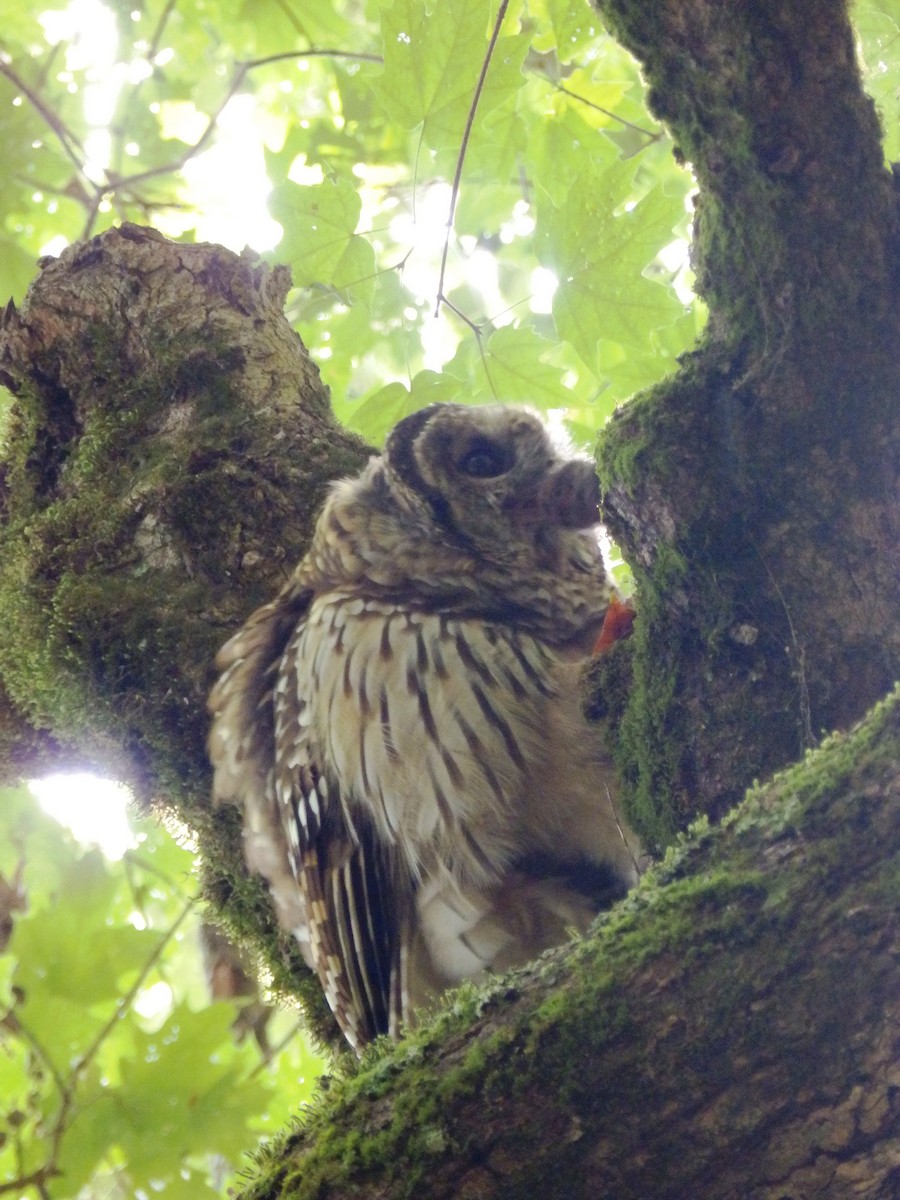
(432, 725)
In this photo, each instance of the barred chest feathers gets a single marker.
(403, 726)
(446, 734)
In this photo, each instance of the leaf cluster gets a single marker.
(420, 158)
(117, 1075)
(494, 167)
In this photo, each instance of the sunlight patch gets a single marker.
(94, 809)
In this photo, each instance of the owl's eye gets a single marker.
(485, 460)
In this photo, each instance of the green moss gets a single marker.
(132, 500)
(104, 572)
(651, 733)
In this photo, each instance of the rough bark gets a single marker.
(756, 492)
(169, 447)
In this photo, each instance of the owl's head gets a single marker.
(491, 478)
(471, 511)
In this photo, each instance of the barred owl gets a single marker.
(403, 726)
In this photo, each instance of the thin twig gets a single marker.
(66, 138)
(35, 1179)
(242, 69)
(19, 1028)
(156, 38)
(478, 330)
(647, 133)
(47, 65)
(128, 999)
(467, 133)
(285, 55)
(67, 1089)
(177, 164)
(272, 1053)
(615, 814)
(287, 10)
(131, 858)
(74, 151)
(48, 189)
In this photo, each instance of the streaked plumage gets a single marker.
(403, 728)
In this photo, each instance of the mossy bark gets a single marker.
(169, 447)
(756, 492)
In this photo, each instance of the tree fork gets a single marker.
(727, 1031)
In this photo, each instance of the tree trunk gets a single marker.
(726, 1032)
(170, 446)
(756, 493)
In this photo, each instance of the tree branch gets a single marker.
(676, 1052)
(170, 447)
(463, 146)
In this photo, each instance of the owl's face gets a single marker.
(470, 511)
(491, 477)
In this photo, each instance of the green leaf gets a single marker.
(566, 26)
(35, 842)
(433, 56)
(878, 24)
(303, 23)
(516, 363)
(600, 241)
(16, 269)
(559, 149)
(183, 1091)
(378, 413)
(320, 241)
(68, 951)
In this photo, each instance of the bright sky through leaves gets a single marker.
(237, 128)
(94, 809)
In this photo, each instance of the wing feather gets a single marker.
(241, 748)
(350, 878)
(336, 886)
